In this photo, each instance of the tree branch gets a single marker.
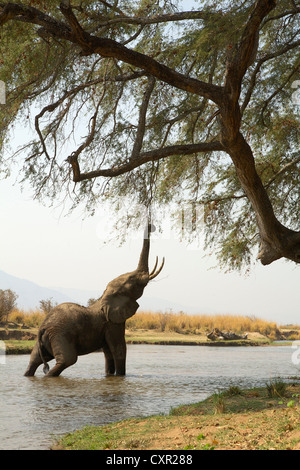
(277, 241)
(66, 10)
(142, 119)
(32, 15)
(152, 155)
(278, 53)
(109, 48)
(243, 56)
(282, 170)
(180, 16)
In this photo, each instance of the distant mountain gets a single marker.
(29, 293)
(154, 304)
(80, 296)
(146, 303)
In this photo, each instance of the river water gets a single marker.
(35, 410)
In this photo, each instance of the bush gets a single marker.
(276, 389)
(17, 316)
(31, 319)
(7, 303)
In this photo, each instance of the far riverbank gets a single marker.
(20, 331)
(16, 344)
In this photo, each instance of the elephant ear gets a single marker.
(117, 308)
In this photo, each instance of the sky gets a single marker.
(53, 249)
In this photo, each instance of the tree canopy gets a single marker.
(162, 100)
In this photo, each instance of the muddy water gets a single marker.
(35, 410)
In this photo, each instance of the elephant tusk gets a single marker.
(153, 270)
(152, 276)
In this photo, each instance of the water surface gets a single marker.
(34, 410)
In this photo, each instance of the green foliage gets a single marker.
(90, 105)
(276, 388)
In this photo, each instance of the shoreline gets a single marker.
(22, 342)
(25, 348)
(264, 418)
(236, 343)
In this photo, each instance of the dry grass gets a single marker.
(173, 322)
(182, 322)
(31, 319)
(248, 420)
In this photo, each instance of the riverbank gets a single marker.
(190, 339)
(16, 345)
(255, 419)
(20, 331)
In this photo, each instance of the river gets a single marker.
(33, 411)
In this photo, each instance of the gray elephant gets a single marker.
(71, 330)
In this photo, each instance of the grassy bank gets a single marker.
(200, 338)
(19, 346)
(256, 419)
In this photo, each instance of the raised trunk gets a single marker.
(144, 256)
(276, 240)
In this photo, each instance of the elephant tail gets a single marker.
(41, 348)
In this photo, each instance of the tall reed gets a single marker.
(183, 323)
(178, 322)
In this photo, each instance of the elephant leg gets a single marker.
(120, 364)
(65, 356)
(115, 339)
(35, 361)
(109, 361)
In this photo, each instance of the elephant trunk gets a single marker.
(144, 256)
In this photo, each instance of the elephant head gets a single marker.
(118, 301)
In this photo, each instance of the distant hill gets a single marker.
(30, 294)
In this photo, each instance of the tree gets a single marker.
(91, 301)
(47, 305)
(194, 105)
(7, 303)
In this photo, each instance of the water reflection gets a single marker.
(158, 378)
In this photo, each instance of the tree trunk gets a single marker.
(276, 240)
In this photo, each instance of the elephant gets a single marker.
(71, 330)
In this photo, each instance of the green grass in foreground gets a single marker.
(256, 419)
